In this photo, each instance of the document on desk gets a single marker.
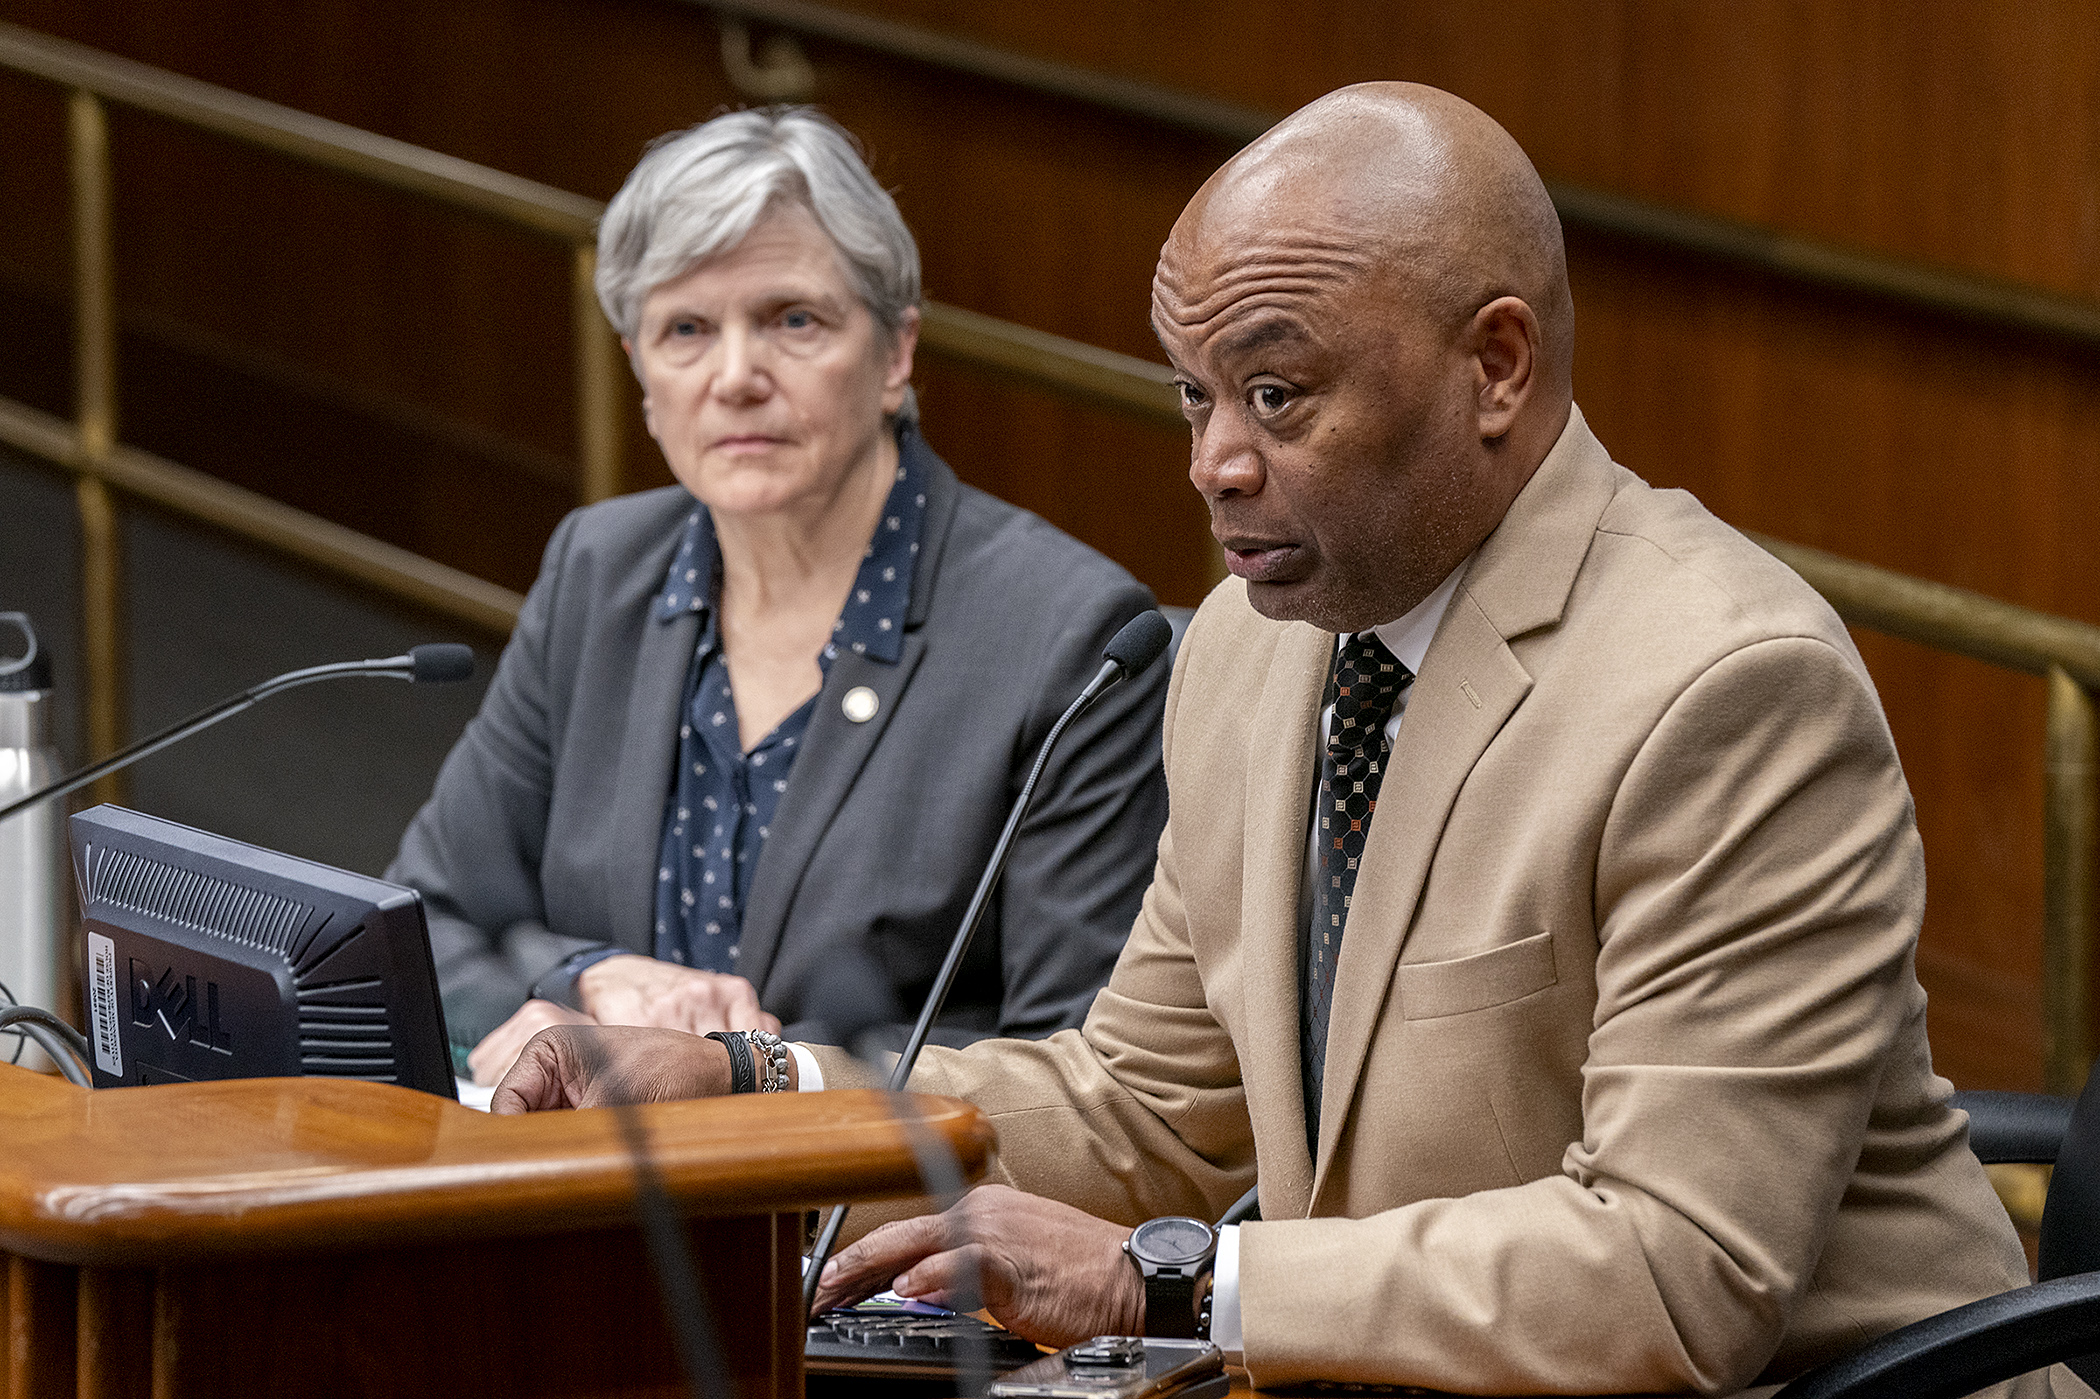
(473, 1095)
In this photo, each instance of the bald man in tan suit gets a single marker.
(1620, 1080)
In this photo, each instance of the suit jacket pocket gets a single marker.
(1429, 990)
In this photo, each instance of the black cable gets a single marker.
(67, 1047)
(1247, 1207)
(21, 1039)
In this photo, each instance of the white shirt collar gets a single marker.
(1408, 637)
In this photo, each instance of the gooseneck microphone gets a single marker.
(436, 663)
(1140, 642)
(1128, 652)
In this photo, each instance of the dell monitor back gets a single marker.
(208, 959)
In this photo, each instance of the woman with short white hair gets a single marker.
(756, 733)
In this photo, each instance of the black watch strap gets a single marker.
(1170, 1306)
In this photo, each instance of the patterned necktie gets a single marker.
(1367, 679)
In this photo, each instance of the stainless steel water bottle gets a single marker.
(36, 906)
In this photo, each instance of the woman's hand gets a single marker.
(492, 1058)
(631, 990)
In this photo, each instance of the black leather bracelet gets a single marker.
(743, 1072)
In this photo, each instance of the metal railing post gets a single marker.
(2071, 819)
(95, 417)
(599, 365)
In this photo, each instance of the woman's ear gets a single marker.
(634, 363)
(896, 371)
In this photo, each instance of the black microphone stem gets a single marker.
(944, 981)
(1110, 672)
(392, 668)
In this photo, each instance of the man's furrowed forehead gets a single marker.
(1266, 336)
(1201, 283)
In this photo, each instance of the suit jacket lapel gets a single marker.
(1469, 685)
(1281, 771)
(834, 751)
(648, 753)
(1471, 682)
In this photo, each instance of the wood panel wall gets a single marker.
(360, 355)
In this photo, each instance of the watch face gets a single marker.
(1173, 1243)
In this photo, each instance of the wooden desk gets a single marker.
(311, 1237)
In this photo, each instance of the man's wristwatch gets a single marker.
(1174, 1256)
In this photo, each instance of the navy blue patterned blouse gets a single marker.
(723, 800)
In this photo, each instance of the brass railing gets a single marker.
(2066, 652)
(91, 450)
(1998, 305)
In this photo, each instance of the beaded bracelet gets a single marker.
(743, 1074)
(772, 1056)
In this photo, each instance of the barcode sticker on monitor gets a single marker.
(102, 1004)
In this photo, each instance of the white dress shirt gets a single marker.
(1408, 639)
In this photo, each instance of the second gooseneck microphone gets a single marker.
(1140, 642)
(1128, 652)
(436, 663)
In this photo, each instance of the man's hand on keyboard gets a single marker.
(1046, 1271)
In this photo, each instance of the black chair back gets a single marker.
(1960, 1352)
(2070, 1241)
(2071, 1218)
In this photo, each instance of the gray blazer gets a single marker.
(540, 838)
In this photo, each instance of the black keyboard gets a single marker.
(909, 1345)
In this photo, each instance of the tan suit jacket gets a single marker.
(1627, 1086)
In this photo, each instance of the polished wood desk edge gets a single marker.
(147, 1176)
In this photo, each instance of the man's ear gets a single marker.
(1506, 346)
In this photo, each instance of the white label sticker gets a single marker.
(102, 1004)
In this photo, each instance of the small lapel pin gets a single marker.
(860, 704)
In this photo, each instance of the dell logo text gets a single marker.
(171, 1002)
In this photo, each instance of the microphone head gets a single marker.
(440, 663)
(1139, 644)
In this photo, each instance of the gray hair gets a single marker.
(699, 192)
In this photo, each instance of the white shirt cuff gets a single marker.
(1225, 1294)
(810, 1079)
